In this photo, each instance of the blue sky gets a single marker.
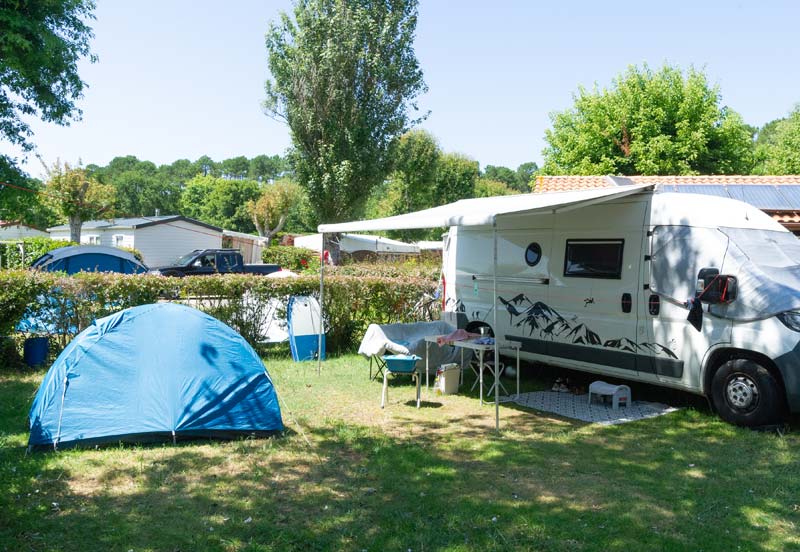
(181, 79)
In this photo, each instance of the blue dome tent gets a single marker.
(151, 373)
(89, 258)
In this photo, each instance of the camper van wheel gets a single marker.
(746, 394)
(480, 328)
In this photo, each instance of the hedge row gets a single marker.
(412, 268)
(66, 305)
(297, 259)
(21, 253)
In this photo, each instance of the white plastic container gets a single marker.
(448, 377)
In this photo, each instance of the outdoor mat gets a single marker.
(578, 407)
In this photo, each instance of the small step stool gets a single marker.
(620, 394)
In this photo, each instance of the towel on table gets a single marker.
(458, 335)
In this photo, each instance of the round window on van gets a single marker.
(533, 254)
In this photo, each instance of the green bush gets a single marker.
(9, 353)
(12, 257)
(68, 304)
(297, 259)
(19, 290)
(406, 269)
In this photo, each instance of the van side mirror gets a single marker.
(715, 288)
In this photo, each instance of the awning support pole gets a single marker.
(494, 326)
(321, 303)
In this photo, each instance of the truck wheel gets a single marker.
(746, 394)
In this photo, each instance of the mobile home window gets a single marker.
(594, 259)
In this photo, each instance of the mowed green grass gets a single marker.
(350, 476)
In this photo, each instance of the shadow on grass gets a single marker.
(423, 404)
(677, 482)
(643, 488)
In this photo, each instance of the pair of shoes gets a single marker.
(561, 385)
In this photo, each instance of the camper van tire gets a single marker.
(746, 394)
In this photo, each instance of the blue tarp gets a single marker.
(154, 372)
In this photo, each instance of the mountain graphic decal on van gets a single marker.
(623, 344)
(584, 336)
(657, 348)
(549, 324)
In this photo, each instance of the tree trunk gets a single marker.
(75, 224)
(278, 227)
(259, 226)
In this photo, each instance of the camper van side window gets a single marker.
(533, 254)
(594, 259)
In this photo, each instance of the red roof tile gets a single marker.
(568, 183)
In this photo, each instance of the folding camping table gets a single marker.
(480, 349)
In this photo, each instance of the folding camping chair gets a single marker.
(380, 366)
(405, 339)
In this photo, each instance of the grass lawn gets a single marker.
(350, 476)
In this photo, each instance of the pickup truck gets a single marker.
(202, 262)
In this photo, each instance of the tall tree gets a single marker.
(486, 187)
(78, 196)
(416, 158)
(411, 185)
(265, 167)
(195, 196)
(271, 209)
(20, 200)
(649, 122)
(525, 174)
(140, 193)
(456, 176)
(141, 189)
(500, 174)
(778, 146)
(235, 167)
(345, 77)
(206, 166)
(227, 204)
(40, 45)
(178, 172)
(220, 201)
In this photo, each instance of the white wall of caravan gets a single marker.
(20, 231)
(161, 244)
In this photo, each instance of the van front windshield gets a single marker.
(768, 248)
(184, 259)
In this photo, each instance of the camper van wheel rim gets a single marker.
(742, 393)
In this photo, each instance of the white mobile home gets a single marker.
(680, 290)
(16, 231)
(160, 239)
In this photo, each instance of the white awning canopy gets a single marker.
(484, 211)
(350, 243)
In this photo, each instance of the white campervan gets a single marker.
(694, 292)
